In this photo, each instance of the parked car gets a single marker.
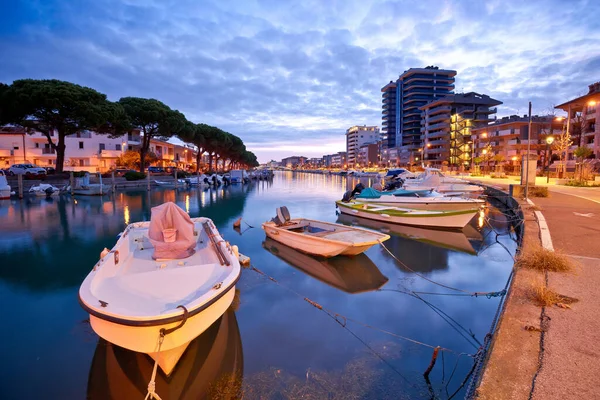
(156, 170)
(27, 170)
(50, 170)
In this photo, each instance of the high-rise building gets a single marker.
(446, 127)
(356, 136)
(401, 116)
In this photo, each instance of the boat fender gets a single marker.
(104, 252)
(116, 255)
(385, 215)
(236, 251)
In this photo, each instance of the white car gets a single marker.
(26, 169)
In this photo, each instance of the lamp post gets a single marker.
(549, 141)
(484, 152)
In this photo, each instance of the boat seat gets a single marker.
(321, 233)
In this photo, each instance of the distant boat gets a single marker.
(171, 272)
(5, 192)
(83, 187)
(433, 178)
(456, 219)
(459, 240)
(239, 176)
(320, 238)
(350, 274)
(44, 190)
(212, 363)
(165, 183)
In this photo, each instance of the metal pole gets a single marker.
(112, 175)
(549, 155)
(567, 134)
(20, 182)
(528, 150)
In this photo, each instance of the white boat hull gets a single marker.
(92, 190)
(450, 220)
(438, 203)
(144, 339)
(5, 193)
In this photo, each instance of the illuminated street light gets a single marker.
(592, 103)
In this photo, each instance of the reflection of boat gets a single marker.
(351, 274)
(320, 238)
(4, 187)
(83, 187)
(212, 362)
(454, 240)
(397, 215)
(149, 283)
(43, 190)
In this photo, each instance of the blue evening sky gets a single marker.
(290, 77)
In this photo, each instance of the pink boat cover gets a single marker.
(165, 216)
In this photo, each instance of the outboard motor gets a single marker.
(349, 195)
(206, 181)
(215, 182)
(49, 191)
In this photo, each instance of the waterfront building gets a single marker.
(446, 126)
(85, 150)
(339, 160)
(315, 162)
(583, 116)
(293, 161)
(505, 140)
(357, 136)
(368, 155)
(401, 116)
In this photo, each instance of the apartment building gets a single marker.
(507, 137)
(357, 136)
(293, 162)
(401, 114)
(368, 155)
(583, 116)
(339, 159)
(446, 126)
(85, 150)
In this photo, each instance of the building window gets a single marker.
(81, 163)
(37, 145)
(512, 131)
(81, 145)
(102, 146)
(15, 147)
(118, 147)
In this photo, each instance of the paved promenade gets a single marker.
(570, 353)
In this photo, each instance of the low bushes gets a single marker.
(541, 259)
(134, 176)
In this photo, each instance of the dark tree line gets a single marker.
(64, 108)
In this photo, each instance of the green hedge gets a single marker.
(134, 175)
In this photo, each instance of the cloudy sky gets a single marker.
(290, 77)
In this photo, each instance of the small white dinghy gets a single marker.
(4, 187)
(44, 190)
(320, 238)
(162, 284)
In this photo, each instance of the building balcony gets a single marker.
(38, 152)
(439, 109)
(437, 118)
(437, 134)
(487, 110)
(109, 153)
(439, 125)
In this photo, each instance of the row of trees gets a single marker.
(64, 108)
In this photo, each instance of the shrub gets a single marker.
(538, 191)
(541, 259)
(581, 183)
(134, 175)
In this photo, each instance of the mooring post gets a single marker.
(432, 362)
(20, 180)
(147, 180)
(112, 176)
(175, 178)
(71, 181)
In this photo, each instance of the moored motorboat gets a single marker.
(212, 363)
(320, 238)
(434, 179)
(166, 183)
(419, 199)
(456, 219)
(458, 240)
(83, 187)
(44, 190)
(164, 282)
(356, 274)
(4, 187)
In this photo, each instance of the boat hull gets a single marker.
(144, 339)
(5, 193)
(92, 190)
(427, 203)
(450, 220)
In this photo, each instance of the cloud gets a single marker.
(298, 74)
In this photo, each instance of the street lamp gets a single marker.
(549, 141)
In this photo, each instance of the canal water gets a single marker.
(376, 341)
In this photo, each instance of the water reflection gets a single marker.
(211, 367)
(351, 274)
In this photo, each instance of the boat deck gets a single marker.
(332, 232)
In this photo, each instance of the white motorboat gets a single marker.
(431, 201)
(459, 240)
(44, 190)
(239, 176)
(456, 219)
(356, 274)
(5, 192)
(83, 187)
(162, 284)
(320, 238)
(213, 359)
(167, 183)
(195, 180)
(434, 179)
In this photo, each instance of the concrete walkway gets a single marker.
(568, 351)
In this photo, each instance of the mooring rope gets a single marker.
(152, 384)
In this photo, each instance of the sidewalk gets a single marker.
(569, 350)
